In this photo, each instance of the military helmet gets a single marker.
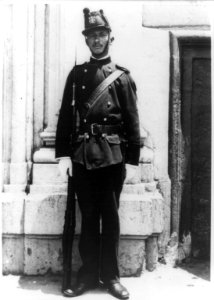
(95, 20)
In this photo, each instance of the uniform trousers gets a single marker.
(98, 192)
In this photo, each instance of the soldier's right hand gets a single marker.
(65, 167)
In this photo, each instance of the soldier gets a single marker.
(105, 152)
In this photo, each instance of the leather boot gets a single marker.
(118, 290)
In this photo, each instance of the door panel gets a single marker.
(196, 131)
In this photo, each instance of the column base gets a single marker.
(18, 173)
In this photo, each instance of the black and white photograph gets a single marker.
(106, 150)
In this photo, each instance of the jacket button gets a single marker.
(109, 104)
(84, 120)
(83, 87)
(86, 105)
(110, 87)
(85, 70)
(105, 119)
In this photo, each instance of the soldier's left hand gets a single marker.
(132, 174)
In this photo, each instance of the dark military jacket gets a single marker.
(117, 105)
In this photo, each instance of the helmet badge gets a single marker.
(92, 20)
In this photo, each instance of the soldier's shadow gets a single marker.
(51, 284)
(47, 284)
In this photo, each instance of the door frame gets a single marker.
(178, 37)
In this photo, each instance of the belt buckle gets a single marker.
(92, 129)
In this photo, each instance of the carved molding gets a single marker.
(177, 14)
(175, 132)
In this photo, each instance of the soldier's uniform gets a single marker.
(107, 138)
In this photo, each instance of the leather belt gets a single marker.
(99, 129)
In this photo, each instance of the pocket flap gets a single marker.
(79, 139)
(113, 139)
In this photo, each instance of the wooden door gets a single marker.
(196, 138)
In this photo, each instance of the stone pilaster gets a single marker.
(22, 99)
(18, 166)
(30, 90)
(48, 102)
(6, 93)
(52, 88)
(39, 66)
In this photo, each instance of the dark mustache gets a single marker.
(97, 44)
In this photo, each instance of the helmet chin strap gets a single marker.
(106, 49)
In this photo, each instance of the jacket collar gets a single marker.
(103, 61)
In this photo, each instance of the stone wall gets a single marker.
(33, 224)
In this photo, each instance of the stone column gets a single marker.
(52, 83)
(18, 131)
(30, 90)
(22, 97)
(6, 14)
(18, 166)
(39, 65)
(1, 93)
(151, 253)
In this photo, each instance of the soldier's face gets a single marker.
(98, 41)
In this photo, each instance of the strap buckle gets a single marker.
(94, 126)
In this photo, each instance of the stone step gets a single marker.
(38, 255)
(43, 214)
(138, 188)
(48, 173)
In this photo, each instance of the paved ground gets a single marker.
(189, 281)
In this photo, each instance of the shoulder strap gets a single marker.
(101, 87)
